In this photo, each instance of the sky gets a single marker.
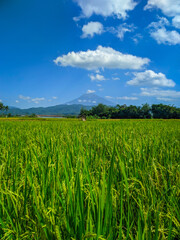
(52, 51)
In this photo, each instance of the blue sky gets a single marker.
(53, 51)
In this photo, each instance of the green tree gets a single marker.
(165, 111)
(145, 111)
(100, 110)
(83, 112)
(3, 108)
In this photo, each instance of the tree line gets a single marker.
(123, 111)
(132, 112)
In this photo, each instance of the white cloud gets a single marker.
(37, 99)
(109, 97)
(156, 92)
(97, 77)
(90, 91)
(127, 74)
(150, 78)
(170, 8)
(118, 8)
(80, 100)
(76, 19)
(136, 38)
(102, 57)
(91, 29)
(0, 100)
(115, 78)
(122, 98)
(164, 36)
(54, 98)
(165, 99)
(176, 21)
(161, 23)
(29, 99)
(99, 85)
(17, 101)
(123, 28)
(24, 97)
(127, 98)
(161, 34)
(120, 30)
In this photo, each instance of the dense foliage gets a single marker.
(95, 180)
(129, 112)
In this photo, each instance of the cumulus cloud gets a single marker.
(150, 78)
(118, 8)
(54, 98)
(17, 101)
(90, 91)
(127, 98)
(170, 8)
(102, 57)
(156, 92)
(162, 21)
(91, 29)
(176, 21)
(163, 36)
(97, 77)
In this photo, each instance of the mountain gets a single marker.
(90, 99)
(71, 108)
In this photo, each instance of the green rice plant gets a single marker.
(95, 180)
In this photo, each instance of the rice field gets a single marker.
(94, 180)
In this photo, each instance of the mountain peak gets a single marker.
(90, 99)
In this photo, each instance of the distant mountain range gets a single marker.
(71, 108)
(90, 99)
